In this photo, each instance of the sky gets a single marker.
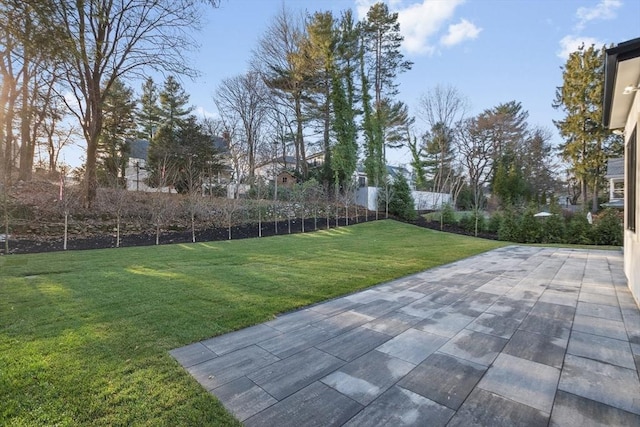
(491, 51)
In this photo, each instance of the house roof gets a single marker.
(138, 149)
(621, 71)
(219, 144)
(615, 168)
(286, 160)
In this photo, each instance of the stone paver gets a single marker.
(516, 336)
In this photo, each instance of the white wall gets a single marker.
(632, 239)
(423, 200)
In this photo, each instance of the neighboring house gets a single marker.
(615, 176)
(136, 172)
(286, 179)
(622, 114)
(392, 172)
(271, 168)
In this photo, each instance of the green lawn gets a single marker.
(84, 335)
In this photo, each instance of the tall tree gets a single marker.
(438, 157)
(319, 49)
(148, 115)
(245, 96)
(165, 145)
(345, 150)
(281, 63)
(30, 44)
(580, 98)
(118, 129)
(108, 39)
(174, 106)
(381, 39)
(344, 98)
(475, 146)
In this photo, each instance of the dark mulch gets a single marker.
(435, 225)
(245, 231)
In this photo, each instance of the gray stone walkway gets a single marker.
(516, 336)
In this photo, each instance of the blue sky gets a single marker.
(492, 51)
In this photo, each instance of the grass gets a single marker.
(84, 335)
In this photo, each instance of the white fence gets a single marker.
(423, 200)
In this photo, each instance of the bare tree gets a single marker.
(280, 61)
(475, 148)
(442, 104)
(228, 210)
(108, 39)
(115, 200)
(245, 96)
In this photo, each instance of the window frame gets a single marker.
(631, 180)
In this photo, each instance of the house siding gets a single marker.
(632, 237)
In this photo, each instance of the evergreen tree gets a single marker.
(401, 203)
(343, 98)
(580, 98)
(194, 156)
(381, 40)
(318, 49)
(118, 127)
(438, 158)
(174, 108)
(373, 141)
(148, 116)
(164, 149)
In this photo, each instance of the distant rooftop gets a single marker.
(615, 168)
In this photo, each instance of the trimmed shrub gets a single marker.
(607, 229)
(401, 203)
(447, 214)
(578, 230)
(468, 222)
(494, 222)
(529, 228)
(508, 230)
(552, 229)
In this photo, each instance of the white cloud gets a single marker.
(570, 44)
(201, 112)
(460, 32)
(362, 6)
(421, 21)
(606, 9)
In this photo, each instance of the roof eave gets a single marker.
(613, 56)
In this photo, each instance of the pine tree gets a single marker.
(580, 97)
(381, 40)
(174, 107)
(118, 127)
(148, 116)
(164, 148)
(318, 48)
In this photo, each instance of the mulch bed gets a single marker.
(245, 231)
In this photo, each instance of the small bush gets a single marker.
(401, 203)
(468, 222)
(447, 214)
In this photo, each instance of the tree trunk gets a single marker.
(304, 170)
(26, 163)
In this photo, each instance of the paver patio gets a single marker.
(515, 336)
